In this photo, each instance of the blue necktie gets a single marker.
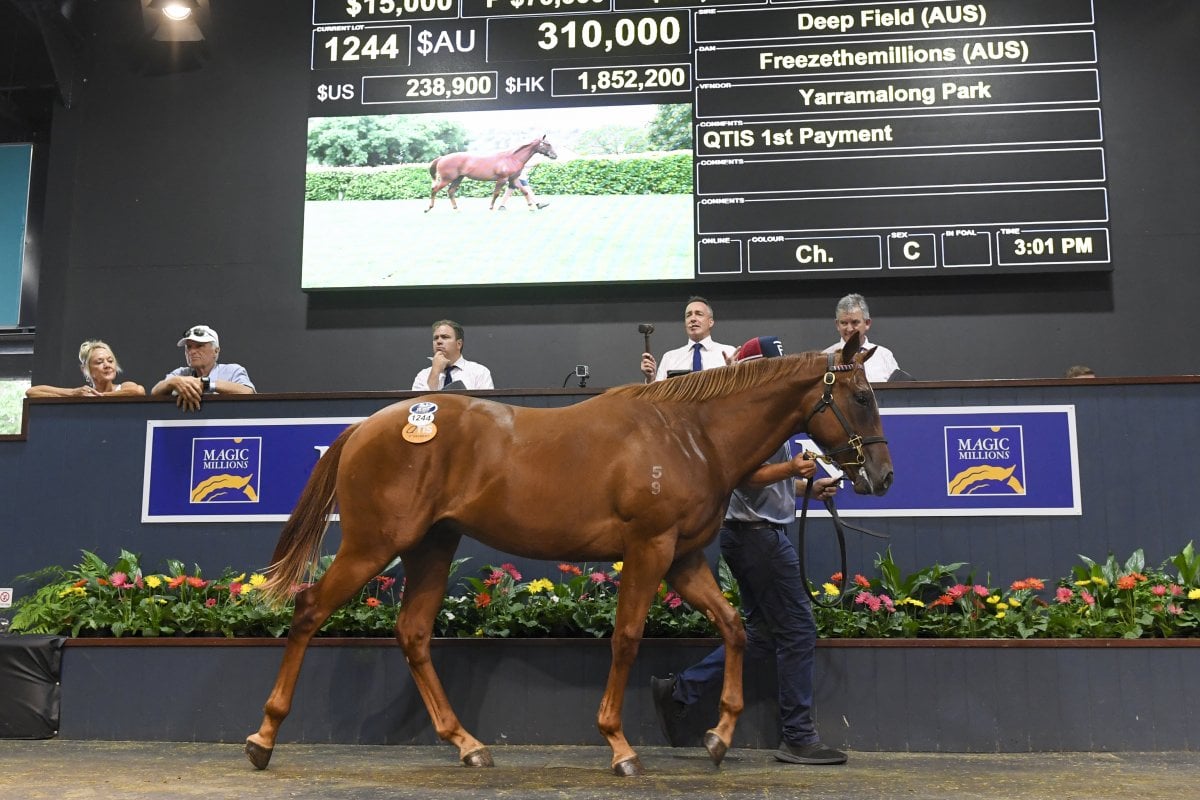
(696, 366)
(446, 378)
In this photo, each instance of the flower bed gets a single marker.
(1108, 599)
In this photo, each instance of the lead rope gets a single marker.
(840, 529)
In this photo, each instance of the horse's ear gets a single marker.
(850, 348)
(543, 137)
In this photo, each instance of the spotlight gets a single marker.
(174, 20)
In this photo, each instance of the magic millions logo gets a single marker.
(226, 469)
(985, 460)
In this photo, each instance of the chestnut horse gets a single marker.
(503, 168)
(641, 473)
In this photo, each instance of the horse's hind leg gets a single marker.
(425, 569)
(347, 574)
(453, 191)
(692, 579)
(644, 568)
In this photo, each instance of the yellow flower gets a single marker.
(161, 601)
(994, 599)
(238, 579)
(1100, 581)
(73, 591)
(1014, 602)
(729, 595)
(540, 585)
(830, 589)
(1083, 582)
(911, 601)
(153, 581)
(1001, 607)
(257, 580)
(999, 615)
(618, 566)
(1194, 594)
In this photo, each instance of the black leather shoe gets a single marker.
(670, 711)
(811, 753)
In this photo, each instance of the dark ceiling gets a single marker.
(40, 50)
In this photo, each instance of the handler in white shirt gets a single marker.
(448, 365)
(852, 316)
(701, 352)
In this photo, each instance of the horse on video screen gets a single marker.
(640, 473)
(504, 168)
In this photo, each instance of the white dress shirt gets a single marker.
(880, 366)
(472, 374)
(712, 355)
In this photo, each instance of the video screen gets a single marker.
(588, 194)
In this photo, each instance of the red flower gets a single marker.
(79, 583)
(1028, 583)
(176, 582)
(570, 569)
(944, 600)
(836, 578)
(1126, 582)
(235, 589)
(373, 602)
(859, 580)
(197, 583)
(210, 602)
(495, 578)
(102, 581)
(483, 600)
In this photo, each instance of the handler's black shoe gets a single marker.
(811, 753)
(670, 711)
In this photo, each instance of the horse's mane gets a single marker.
(719, 382)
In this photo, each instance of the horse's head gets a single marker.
(545, 148)
(846, 422)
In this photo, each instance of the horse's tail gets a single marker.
(433, 167)
(299, 544)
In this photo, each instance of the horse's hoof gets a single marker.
(478, 758)
(715, 747)
(259, 756)
(629, 768)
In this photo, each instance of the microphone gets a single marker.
(646, 329)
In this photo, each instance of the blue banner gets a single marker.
(231, 470)
(976, 461)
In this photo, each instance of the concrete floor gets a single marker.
(63, 770)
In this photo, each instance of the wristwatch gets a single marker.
(206, 384)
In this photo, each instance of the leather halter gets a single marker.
(854, 441)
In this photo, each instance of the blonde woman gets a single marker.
(99, 366)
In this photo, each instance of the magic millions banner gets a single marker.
(974, 461)
(231, 470)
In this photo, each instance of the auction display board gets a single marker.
(887, 138)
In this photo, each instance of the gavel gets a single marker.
(646, 329)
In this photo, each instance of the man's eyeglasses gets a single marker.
(198, 331)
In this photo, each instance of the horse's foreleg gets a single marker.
(425, 570)
(644, 568)
(348, 573)
(692, 579)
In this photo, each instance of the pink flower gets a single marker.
(1176, 590)
(511, 570)
(1174, 609)
(672, 600)
(887, 601)
(873, 602)
(210, 602)
(957, 591)
(385, 582)
(982, 591)
(119, 580)
(1087, 598)
(1158, 590)
(598, 577)
(1063, 594)
(495, 578)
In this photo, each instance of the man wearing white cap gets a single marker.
(202, 375)
(778, 616)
